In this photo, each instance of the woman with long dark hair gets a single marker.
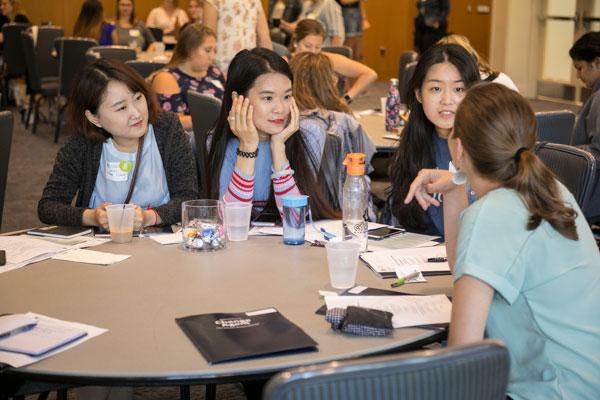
(256, 152)
(90, 23)
(439, 84)
(525, 264)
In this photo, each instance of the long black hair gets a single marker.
(244, 70)
(415, 150)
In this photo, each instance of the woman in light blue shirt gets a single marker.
(525, 264)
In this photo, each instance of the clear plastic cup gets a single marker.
(237, 220)
(120, 222)
(342, 258)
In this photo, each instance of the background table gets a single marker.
(374, 126)
(139, 298)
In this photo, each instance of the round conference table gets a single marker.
(138, 299)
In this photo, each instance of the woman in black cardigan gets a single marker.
(116, 120)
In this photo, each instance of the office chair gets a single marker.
(157, 33)
(555, 126)
(45, 55)
(204, 110)
(119, 53)
(71, 52)
(281, 49)
(343, 50)
(145, 68)
(38, 89)
(6, 132)
(474, 372)
(409, 71)
(574, 167)
(331, 169)
(406, 58)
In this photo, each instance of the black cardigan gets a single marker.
(77, 164)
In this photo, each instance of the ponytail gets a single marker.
(497, 129)
(539, 190)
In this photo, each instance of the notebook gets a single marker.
(42, 338)
(61, 232)
(224, 337)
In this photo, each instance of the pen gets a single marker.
(17, 330)
(327, 235)
(404, 279)
(437, 259)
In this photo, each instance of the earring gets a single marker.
(458, 177)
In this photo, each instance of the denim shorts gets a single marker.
(352, 21)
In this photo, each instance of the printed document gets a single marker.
(384, 262)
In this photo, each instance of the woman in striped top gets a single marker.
(256, 152)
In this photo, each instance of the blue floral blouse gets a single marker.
(212, 84)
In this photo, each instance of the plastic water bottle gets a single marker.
(356, 200)
(392, 107)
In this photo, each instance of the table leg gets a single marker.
(211, 392)
(184, 392)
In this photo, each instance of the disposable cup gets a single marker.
(120, 222)
(159, 48)
(383, 105)
(342, 258)
(237, 220)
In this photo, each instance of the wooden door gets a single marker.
(472, 18)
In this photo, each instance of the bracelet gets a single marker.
(155, 216)
(247, 154)
(283, 172)
(347, 98)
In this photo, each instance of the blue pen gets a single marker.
(18, 330)
(327, 235)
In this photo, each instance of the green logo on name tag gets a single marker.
(125, 165)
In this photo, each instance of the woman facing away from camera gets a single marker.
(191, 68)
(525, 264)
(118, 130)
(439, 84)
(256, 152)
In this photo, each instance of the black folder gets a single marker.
(224, 337)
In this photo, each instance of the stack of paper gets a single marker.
(384, 262)
(23, 250)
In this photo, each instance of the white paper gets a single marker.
(357, 289)
(387, 260)
(311, 234)
(91, 257)
(167, 238)
(9, 323)
(19, 360)
(407, 310)
(404, 240)
(24, 249)
(405, 270)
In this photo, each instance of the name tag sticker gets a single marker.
(134, 33)
(117, 171)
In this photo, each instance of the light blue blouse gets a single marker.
(116, 170)
(547, 295)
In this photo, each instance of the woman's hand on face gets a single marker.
(242, 124)
(291, 128)
(101, 216)
(429, 181)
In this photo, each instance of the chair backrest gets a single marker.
(343, 50)
(277, 36)
(281, 50)
(46, 61)
(13, 51)
(157, 33)
(474, 372)
(33, 74)
(555, 126)
(406, 57)
(409, 71)
(6, 131)
(145, 68)
(574, 167)
(331, 170)
(71, 51)
(119, 53)
(204, 110)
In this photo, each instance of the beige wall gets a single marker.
(515, 42)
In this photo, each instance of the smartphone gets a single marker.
(384, 232)
(266, 219)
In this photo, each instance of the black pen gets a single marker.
(437, 259)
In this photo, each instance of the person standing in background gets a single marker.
(91, 24)
(355, 22)
(240, 24)
(167, 17)
(195, 10)
(431, 23)
(328, 13)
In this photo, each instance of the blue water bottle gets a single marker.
(294, 218)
